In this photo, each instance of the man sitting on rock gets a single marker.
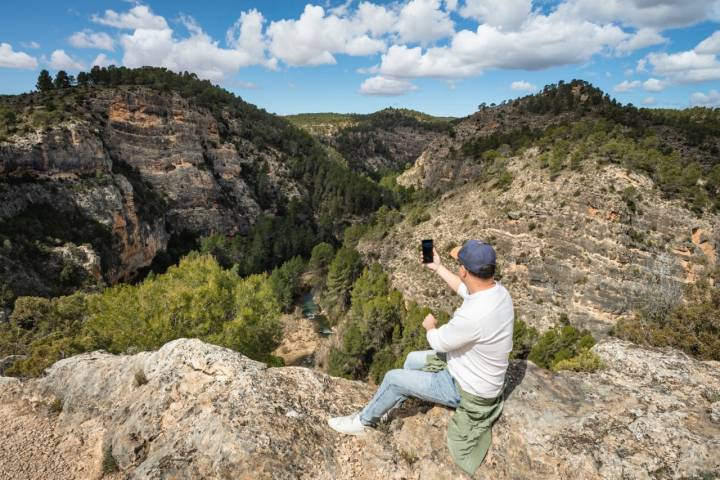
(476, 343)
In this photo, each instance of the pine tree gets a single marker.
(83, 79)
(62, 80)
(44, 81)
(343, 271)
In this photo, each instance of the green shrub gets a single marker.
(46, 330)
(692, 326)
(285, 282)
(418, 215)
(195, 299)
(558, 344)
(524, 337)
(56, 406)
(109, 463)
(585, 361)
(353, 234)
(505, 180)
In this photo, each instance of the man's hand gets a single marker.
(429, 323)
(435, 264)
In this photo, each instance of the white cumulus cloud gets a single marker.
(9, 58)
(503, 14)
(654, 85)
(423, 21)
(140, 16)
(59, 60)
(102, 60)
(246, 35)
(647, 101)
(701, 64)
(151, 41)
(542, 42)
(90, 39)
(656, 14)
(712, 98)
(626, 86)
(523, 86)
(710, 45)
(643, 38)
(386, 86)
(314, 38)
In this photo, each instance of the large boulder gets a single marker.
(194, 410)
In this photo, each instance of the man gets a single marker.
(477, 342)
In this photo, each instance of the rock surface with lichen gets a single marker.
(194, 410)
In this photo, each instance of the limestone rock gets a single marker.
(209, 412)
(566, 246)
(140, 166)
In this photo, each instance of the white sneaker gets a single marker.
(350, 425)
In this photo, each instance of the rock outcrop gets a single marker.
(193, 410)
(137, 165)
(571, 245)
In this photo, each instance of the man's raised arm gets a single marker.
(450, 278)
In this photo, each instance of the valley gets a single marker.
(166, 247)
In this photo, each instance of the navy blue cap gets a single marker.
(474, 255)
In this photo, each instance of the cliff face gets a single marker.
(138, 166)
(193, 410)
(587, 237)
(569, 246)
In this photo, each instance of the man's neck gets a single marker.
(479, 285)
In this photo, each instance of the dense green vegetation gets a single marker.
(678, 149)
(563, 347)
(695, 180)
(365, 138)
(340, 120)
(691, 324)
(379, 330)
(288, 227)
(197, 299)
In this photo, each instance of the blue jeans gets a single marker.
(399, 384)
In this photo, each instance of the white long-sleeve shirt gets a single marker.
(478, 340)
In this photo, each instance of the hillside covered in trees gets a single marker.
(147, 165)
(142, 164)
(379, 143)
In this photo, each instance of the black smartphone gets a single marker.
(427, 249)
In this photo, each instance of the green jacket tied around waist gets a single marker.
(470, 430)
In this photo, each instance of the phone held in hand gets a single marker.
(427, 251)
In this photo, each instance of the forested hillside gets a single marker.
(598, 211)
(127, 169)
(380, 143)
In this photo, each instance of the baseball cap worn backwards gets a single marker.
(474, 255)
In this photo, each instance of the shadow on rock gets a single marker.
(515, 375)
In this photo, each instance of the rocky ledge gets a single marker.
(194, 410)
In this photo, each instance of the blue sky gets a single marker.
(439, 56)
